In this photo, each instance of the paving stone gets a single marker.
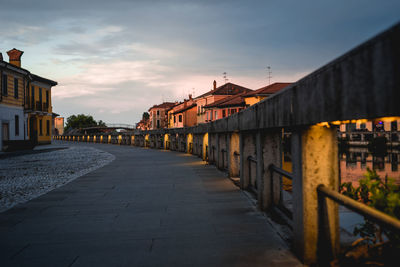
(146, 208)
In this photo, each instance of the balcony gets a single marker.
(36, 105)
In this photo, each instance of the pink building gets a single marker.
(158, 115)
(225, 107)
(215, 95)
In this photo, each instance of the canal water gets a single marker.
(355, 161)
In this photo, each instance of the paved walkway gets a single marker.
(146, 208)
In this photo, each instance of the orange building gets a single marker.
(58, 123)
(183, 115)
(143, 124)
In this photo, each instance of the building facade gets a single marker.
(58, 127)
(218, 93)
(12, 116)
(256, 96)
(225, 107)
(183, 114)
(158, 115)
(39, 109)
(18, 106)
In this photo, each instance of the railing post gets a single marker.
(248, 170)
(233, 155)
(259, 170)
(216, 151)
(227, 158)
(271, 182)
(315, 162)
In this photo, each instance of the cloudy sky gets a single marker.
(114, 59)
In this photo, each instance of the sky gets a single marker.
(115, 59)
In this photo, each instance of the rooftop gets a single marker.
(226, 89)
(165, 105)
(268, 90)
(230, 101)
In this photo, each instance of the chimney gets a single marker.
(15, 57)
(215, 84)
(190, 96)
(1, 56)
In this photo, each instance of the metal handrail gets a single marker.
(371, 213)
(276, 169)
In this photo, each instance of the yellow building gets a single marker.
(13, 80)
(264, 92)
(39, 109)
(25, 105)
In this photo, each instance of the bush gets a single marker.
(376, 245)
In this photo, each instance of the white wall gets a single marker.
(7, 115)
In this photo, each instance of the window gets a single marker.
(233, 111)
(207, 117)
(4, 88)
(223, 113)
(180, 118)
(350, 127)
(174, 118)
(393, 126)
(158, 113)
(15, 87)
(47, 98)
(33, 95)
(198, 110)
(47, 127)
(158, 123)
(40, 95)
(211, 117)
(16, 125)
(40, 127)
(216, 117)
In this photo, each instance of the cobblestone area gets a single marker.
(28, 176)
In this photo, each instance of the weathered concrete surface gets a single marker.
(315, 162)
(147, 208)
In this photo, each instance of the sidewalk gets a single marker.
(146, 208)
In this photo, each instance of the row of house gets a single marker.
(215, 104)
(26, 116)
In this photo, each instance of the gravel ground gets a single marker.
(25, 177)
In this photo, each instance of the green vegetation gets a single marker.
(145, 116)
(376, 245)
(82, 121)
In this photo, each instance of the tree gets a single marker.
(101, 123)
(81, 121)
(145, 116)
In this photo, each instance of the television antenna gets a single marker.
(225, 76)
(269, 74)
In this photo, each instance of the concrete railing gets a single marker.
(362, 84)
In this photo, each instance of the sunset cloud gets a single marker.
(115, 59)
